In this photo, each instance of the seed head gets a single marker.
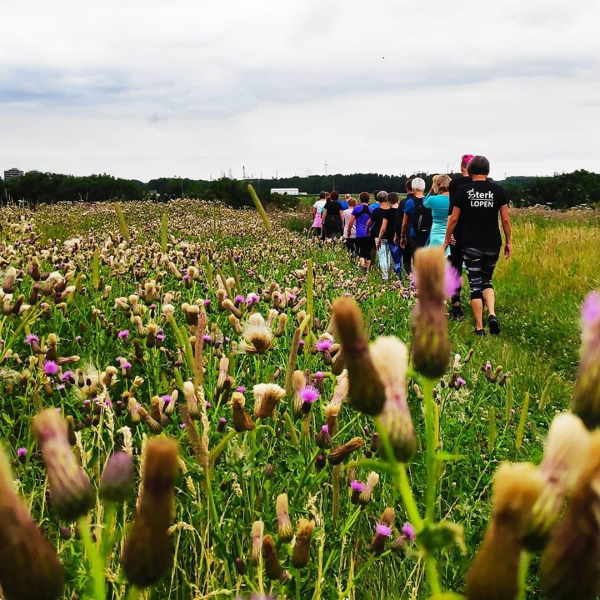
(337, 455)
(284, 525)
(117, 477)
(301, 551)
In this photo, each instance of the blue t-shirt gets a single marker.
(410, 210)
(344, 204)
(362, 214)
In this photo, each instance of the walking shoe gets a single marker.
(456, 312)
(493, 325)
(479, 332)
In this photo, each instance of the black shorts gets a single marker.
(364, 247)
(480, 264)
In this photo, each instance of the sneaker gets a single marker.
(456, 312)
(479, 332)
(493, 325)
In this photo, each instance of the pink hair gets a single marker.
(465, 160)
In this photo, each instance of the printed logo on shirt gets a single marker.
(481, 199)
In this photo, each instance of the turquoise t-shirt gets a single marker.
(439, 205)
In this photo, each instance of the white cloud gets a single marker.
(153, 88)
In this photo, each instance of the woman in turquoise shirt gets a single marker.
(438, 202)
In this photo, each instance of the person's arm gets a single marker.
(452, 221)
(403, 231)
(350, 225)
(506, 226)
(382, 230)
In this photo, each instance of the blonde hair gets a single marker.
(440, 184)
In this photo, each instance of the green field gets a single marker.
(184, 252)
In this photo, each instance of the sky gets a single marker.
(142, 89)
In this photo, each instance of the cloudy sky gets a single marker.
(147, 88)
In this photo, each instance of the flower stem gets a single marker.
(524, 561)
(94, 559)
(430, 448)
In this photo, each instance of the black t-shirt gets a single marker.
(453, 188)
(479, 203)
(377, 217)
(334, 211)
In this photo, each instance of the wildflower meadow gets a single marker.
(204, 402)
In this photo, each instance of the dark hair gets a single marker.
(364, 197)
(392, 197)
(408, 185)
(323, 195)
(480, 165)
(334, 196)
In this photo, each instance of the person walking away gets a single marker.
(345, 202)
(438, 202)
(456, 260)
(406, 258)
(476, 207)
(332, 218)
(349, 232)
(361, 218)
(416, 223)
(395, 250)
(382, 231)
(317, 211)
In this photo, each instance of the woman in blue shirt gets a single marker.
(438, 202)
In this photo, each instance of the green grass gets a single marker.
(539, 293)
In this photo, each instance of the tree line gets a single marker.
(560, 191)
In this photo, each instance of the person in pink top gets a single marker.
(317, 212)
(349, 230)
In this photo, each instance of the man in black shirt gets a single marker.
(456, 258)
(476, 206)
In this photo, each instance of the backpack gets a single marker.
(422, 221)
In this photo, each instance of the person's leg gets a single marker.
(489, 264)
(396, 253)
(489, 297)
(473, 263)
(383, 258)
(456, 260)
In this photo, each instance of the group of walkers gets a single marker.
(460, 215)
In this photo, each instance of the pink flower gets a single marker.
(409, 531)
(357, 486)
(252, 299)
(123, 334)
(50, 368)
(383, 530)
(21, 452)
(309, 394)
(239, 299)
(590, 311)
(319, 376)
(452, 280)
(166, 399)
(240, 389)
(323, 345)
(67, 376)
(31, 339)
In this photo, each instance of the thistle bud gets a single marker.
(569, 567)
(320, 462)
(366, 390)
(241, 419)
(117, 477)
(356, 487)
(280, 324)
(367, 492)
(301, 551)
(29, 565)
(494, 571)
(284, 525)
(586, 400)
(382, 533)
(430, 344)
(323, 438)
(258, 529)
(266, 397)
(390, 358)
(189, 393)
(298, 383)
(273, 568)
(147, 554)
(70, 489)
(388, 516)
(337, 455)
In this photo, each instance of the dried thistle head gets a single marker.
(241, 419)
(266, 397)
(301, 550)
(147, 554)
(29, 565)
(494, 571)
(366, 390)
(258, 529)
(70, 488)
(273, 568)
(372, 481)
(257, 335)
(338, 454)
(284, 524)
(569, 567)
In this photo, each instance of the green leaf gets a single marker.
(447, 457)
(438, 536)
(522, 422)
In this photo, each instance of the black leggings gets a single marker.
(456, 260)
(480, 266)
(364, 246)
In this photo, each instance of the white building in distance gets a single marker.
(286, 191)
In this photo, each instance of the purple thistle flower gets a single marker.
(301, 343)
(166, 399)
(186, 277)
(252, 299)
(181, 425)
(77, 338)
(31, 339)
(409, 531)
(325, 428)
(452, 281)
(239, 299)
(319, 376)
(207, 302)
(22, 452)
(357, 486)
(50, 368)
(323, 345)
(383, 530)
(206, 339)
(123, 363)
(160, 336)
(241, 389)
(61, 386)
(67, 376)
(123, 334)
(590, 311)
(309, 394)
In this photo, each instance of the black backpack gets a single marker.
(423, 220)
